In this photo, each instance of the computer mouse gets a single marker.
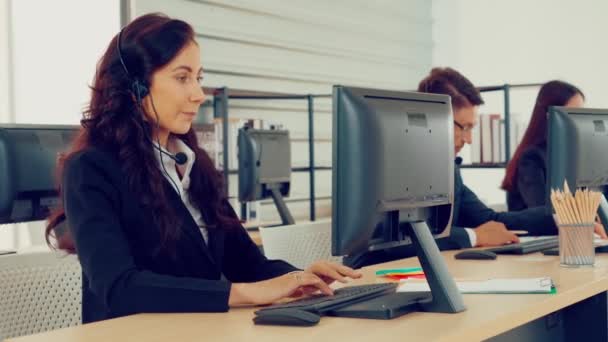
(286, 317)
(476, 254)
(551, 251)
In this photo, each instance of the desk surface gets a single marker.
(255, 236)
(486, 315)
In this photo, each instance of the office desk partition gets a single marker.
(579, 305)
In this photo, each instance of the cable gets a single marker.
(158, 140)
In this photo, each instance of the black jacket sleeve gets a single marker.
(92, 203)
(473, 212)
(531, 178)
(244, 262)
(537, 221)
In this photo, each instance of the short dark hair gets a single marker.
(448, 81)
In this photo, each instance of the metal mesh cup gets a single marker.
(576, 244)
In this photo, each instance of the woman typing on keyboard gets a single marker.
(143, 205)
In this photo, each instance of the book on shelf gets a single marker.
(207, 140)
(495, 133)
(488, 141)
(501, 138)
(475, 145)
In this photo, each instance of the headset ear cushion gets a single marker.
(140, 89)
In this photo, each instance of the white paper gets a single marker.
(498, 285)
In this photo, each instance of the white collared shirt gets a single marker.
(472, 236)
(183, 184)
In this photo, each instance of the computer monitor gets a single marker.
(576, 145)
(28, 159)
(264, 157)
(393, 163)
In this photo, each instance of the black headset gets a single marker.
(140, 90)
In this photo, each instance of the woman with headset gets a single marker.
(525, 180)
(143, 204)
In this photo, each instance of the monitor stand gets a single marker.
(444, 296)
(286, 217)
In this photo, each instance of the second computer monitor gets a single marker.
(393, 160)
(393, 163)
(577, 142)
(576, 145)
(264, 157)
(28, 160)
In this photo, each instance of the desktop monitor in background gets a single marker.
(393, 167)
(265, 167)
(577, 142)
(28, 158)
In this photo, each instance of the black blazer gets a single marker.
(116, 242)
(469, 212)
(530, 184)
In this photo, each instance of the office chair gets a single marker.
(299, 244)
(39, 292)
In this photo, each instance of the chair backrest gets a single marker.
(39, 292)
(299, 244)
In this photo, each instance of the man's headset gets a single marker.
(140, 90)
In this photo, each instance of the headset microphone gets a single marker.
(180, 157)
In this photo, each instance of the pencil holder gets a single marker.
(576, 245)
(575, 215)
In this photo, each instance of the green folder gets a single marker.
(398, 270)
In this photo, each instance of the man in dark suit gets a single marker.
(473, 223)
(488, 227)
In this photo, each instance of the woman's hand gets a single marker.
(599, 230)
(494, 233)
(331, 271)
(317, 277)
(328, 272)
(271, 290)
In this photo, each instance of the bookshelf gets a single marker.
(506, 89)
(221, 100)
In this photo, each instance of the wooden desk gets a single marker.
(255, 236)
(486, 315)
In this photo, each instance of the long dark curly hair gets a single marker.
(552, 93)
(114, 121)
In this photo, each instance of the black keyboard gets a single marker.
(555, 251)
(532, 246)
(345, 296)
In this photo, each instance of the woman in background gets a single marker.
(526, 175)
